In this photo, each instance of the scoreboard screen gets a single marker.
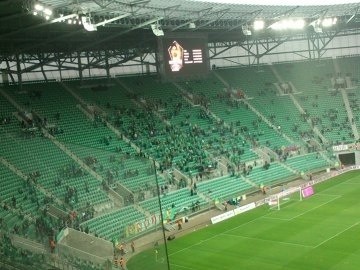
(183, 56)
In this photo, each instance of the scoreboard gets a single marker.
(183, 56)
(195, 56)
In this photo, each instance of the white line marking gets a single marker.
(268, 240)
(316, 207)
(215, 235)
(283, 219)
(325, 194)
(351, 183)
(335, 235)
(182, 266)
(193, 245)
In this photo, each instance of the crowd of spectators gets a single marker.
(71, 170)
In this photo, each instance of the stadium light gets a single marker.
(157, 30)
(63, 18)
(327, 22)
(259, 25)
(246, 30)
(42, 11)
(39, 7)
(47, 11)
(88, 26)
(192, 25)
(318, 29)
(317, 26)
(288, 24)
(112, 19)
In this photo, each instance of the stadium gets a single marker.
(199, 135)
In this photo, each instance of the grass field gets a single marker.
(320, 232)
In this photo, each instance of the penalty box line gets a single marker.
(182, 266)
(269, 215)
(268, 240)
(337, 234)
(316, 207)
(215, 235)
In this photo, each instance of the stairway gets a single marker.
(336, 66)
(350, 114)
(315, 129)
(204, 197)
(288, 168)
(27, 244)
(297, 104)
(267, 121)
(276, 74)
(23, 176)
(221, 79)
(254, 110)
(185, 95)
(83, 105)
(11, 100)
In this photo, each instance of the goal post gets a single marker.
(292, 194)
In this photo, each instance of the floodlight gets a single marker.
(246, 31)
(39, 7)
(69, 21)
(277, 26)
(63, 18)
(318, 29)
(291, 24)
(259, 24)
(317, 26)
(47, 17)
(47, 11)
(156, 28)
(35, 13)
(106, 21)
(192, 25)
(88, 26)
(327, 22)
(299, 24)
(296, 24)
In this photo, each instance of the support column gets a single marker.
(107, 67)
(9, 71)
(18, 70)
(79, 66)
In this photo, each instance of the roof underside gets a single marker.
(20, 31)
(191, 10)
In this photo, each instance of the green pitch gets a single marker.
(319, 233)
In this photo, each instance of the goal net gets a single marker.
(289, 195)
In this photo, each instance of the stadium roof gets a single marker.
(280, 2)
(211, 11)
(126, 23)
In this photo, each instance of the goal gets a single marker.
(289, 195)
